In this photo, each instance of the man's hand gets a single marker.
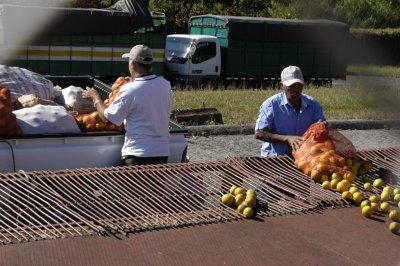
(91, 93)
(295, 142)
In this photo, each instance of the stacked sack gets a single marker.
(317, 156)
(92, 122)
(8, 121)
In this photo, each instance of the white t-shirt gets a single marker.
(144, 106)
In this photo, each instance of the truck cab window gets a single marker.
(204, 51)
(176, 50)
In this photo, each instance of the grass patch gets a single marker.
(240, 106)
(388, 71)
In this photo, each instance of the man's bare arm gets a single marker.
(293, 141)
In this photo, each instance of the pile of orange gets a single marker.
(92, 122)
(371, 198)
(241, 199)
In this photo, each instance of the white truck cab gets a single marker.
(192, 58)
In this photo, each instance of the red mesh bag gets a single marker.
(92, 122)
(322, 152)
(115, 89)
(8, 121)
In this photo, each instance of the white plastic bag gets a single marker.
(73, 100)
(46, 119)
(21, 81)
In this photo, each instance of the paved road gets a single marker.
(223, 146)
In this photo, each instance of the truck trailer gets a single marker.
(248, 48)
(217, 48)
(78, 41)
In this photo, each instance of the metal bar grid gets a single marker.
(117, 200)
(281, 173)
(386, 158)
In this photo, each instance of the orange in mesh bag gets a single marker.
(8, 120)
(318, 154)
(92, 122)
(115, 89)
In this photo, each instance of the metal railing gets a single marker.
(118, 200)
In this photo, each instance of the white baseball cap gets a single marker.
(140, 54)
(291, 75)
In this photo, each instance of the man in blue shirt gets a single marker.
(283, 118)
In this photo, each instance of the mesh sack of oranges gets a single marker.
(319, 153)
(115, 89)
(8, 120)
(92, 122)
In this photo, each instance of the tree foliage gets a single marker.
(357, 13)
(91, 3)
(370, 13)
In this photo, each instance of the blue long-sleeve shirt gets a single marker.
(278, 116)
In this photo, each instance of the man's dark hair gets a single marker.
(144, 67)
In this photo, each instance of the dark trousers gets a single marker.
(131, 160)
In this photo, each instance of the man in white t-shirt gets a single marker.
(144, 106)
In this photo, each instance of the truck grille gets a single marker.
(119, 200)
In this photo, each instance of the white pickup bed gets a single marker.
(56, 152)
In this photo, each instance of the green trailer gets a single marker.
(259, 48)
(80, 41)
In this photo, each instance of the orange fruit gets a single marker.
(227, 199)
(232, 189)
(385, 195)
(357, 197)
(248, 212)
(251, 201)
(326, 184)
(334, 183)
(346, 195)
(321, 168)
(100, 126)
(396, 198)
(385, 207)
(239, 199)
(336, 176)
(241, 208)
(324, 178)
(239, 190)
(251, 192)
(343, 185)
(365, 203)
(374, 206)
(367, 186)
(367, 211)
(374, 198)
(349, 176)
(353, 189)
(394, 215)
(378, 183)
(394, 227)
